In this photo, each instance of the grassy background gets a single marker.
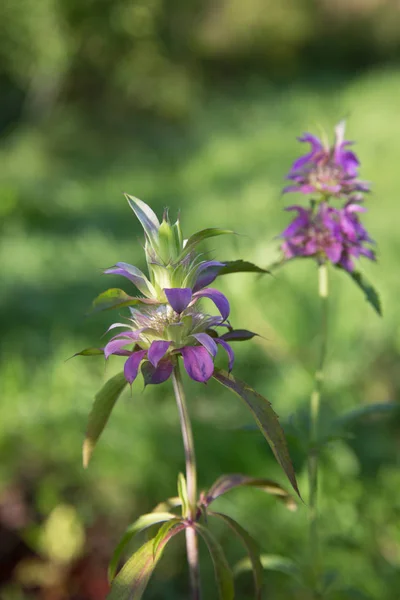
(64, 219)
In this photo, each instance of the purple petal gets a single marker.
(207, 272)
(229, 351)
(178, 298)
(116, 345)
(334, 252)
(131, 366)
(198, 363)
(131, 273)
(206, 340)
(220, 301)
(159, 374)
(302, 220)
(157, 350)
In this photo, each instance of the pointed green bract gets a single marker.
(228, 482)
(132, 580)
(148, 219)
(142, 523)
(371, 295)
(116, 298)
(223, 574)
(251, 547)
(266, 419)
(104, 402)
(202, 235)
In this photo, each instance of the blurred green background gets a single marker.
(196, 106)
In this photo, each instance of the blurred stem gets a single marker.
(191, 482)
(323, 290)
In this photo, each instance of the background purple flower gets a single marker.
(328, 170)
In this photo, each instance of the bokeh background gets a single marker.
(196, 106)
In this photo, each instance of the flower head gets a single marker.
(327, 170)
(327, 233)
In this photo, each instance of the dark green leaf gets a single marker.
(143, 522)
(238, 335)
(198, 237)
(251, 547)
(223, 574)
(132, 580)
(89, 352)
(228, 482)
(104, 402)
(271, 562)
(240, 266)
(266, 420)
(371, 295)
(368, 410)
(116, 298)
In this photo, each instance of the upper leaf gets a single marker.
(146, 216)
(266, 419)
(251, 547)
(240, 266)
(143, 522)
(116, 298)
(223, 574)
(371, 295)
(228, 482)
(183, 495)
(103, 404)
(199, 236)
(132, 580)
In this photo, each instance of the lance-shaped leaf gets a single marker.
(202, 235)
(251, 547)
(240, 266)
(238, 335)
(228, 482)
(148, 219)
(183, 495)
(371, 295)
(104, 402)
(223, 574)
(142, 523)
(89, 352)
(163, 531)
(266, 419)
(132, 580)
(116, 298)
(168, 504)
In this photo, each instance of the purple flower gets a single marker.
(328, 233)
(327, 170)
(155, 335)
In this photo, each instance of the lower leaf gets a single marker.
(223, 574)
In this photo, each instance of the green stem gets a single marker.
(191, 482)
(314, 417)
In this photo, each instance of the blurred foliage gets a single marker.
(81, 84)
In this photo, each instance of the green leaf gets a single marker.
(240, 266)
(132, 580)
(89, 352)
(116, 298)
(251, 547)
(162, 532)
(183, 495)
(103, 404)
(371, 295)
(168, 504)
(202, 235)
(223, 574)
(228, 482)
(271, 562)
(368, 410)
(143, 522)
(266, 419)
(148, 219)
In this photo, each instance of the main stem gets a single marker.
(323, 290)
(191, 482)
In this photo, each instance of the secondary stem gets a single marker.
(191, 482)
(314, 416)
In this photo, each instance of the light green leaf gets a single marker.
(223, 574)
(89, 352)
(104, 402)
(146, 216)
(266, 419)
(202, 235)
(371, 295)
(168, 504)
(143, 522)
(163, 531)
(251, 547)
(116, 298)
(240, 266)
(183, 495)
(133, 578)
(228, 482)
